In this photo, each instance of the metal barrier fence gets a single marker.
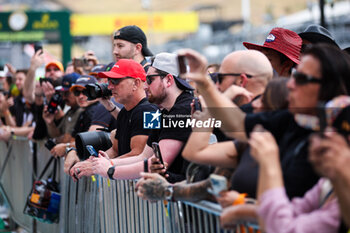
(101, 205)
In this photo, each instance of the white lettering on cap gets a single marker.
(270, 38)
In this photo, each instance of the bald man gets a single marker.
(249, 69)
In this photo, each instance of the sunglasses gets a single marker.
(53, 69)
(116, 81)
(77, 92)
(150, 78)
(302, 79)
(220, 76)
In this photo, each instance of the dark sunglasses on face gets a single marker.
(150, 78)
(53, 69)
(116, 81)
(78, 92)
(302, 79)
(220, 76)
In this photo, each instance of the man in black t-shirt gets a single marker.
(126, 81)
(173, 95)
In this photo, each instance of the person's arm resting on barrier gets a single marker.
(152, 187)
(169, 148)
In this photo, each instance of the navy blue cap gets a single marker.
(83, 81)
(67, 81)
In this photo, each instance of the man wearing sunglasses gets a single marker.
(64, 129)
(173, 95)
(126, 81)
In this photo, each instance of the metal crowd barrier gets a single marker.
(99, 206)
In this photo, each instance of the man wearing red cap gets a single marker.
(282, 47)
(126, 81)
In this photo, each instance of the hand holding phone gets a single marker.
(182, 63)
(49, 144)
(38, 46)
(218, 184)
(156, 151)
(91, 150)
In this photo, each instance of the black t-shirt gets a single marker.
(182, 109)
(292, 140)
(84, 120)
(104, 118)
(21, 110)
(130, 123)
(245, 177)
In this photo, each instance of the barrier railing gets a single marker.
(100, 206)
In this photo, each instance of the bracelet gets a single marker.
(115, 107)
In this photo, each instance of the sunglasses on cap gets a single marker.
(116, 81)
(302, 79)
(150, 78)
(220, 76)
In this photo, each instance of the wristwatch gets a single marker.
(69, 149)
(110, 172)
(168, 193)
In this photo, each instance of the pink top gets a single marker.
(299, 215)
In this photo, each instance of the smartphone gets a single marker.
(55, 101)
(218, 184)
(49, 144)
(91, 150)
(38, 46)
(197, 104)
(322, 118)
(182, 63)
(156, 151)
(80, 62)
(41, 80)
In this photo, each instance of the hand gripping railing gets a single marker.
(101, 206)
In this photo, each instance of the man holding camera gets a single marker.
(64, 128)
(126, 81)
(174, 96)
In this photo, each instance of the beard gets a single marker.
(157, 99)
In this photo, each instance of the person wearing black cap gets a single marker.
(316, 34)
(130, 42)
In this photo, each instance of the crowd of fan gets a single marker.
(282, 144)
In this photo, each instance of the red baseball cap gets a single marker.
(282, 40)
(125, 68)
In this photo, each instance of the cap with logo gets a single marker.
(67, 81)
(125, 68)
(168, 62)
(135, 35)
(82, 81)
(281, 40)
(55, 63)
(317, 34)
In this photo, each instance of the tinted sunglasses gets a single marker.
(52, 69)
(150, 78)
(220, 76)
(116, 81)
(302, 79)
(77, 92)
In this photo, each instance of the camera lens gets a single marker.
(94, 91)
(99, 140)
